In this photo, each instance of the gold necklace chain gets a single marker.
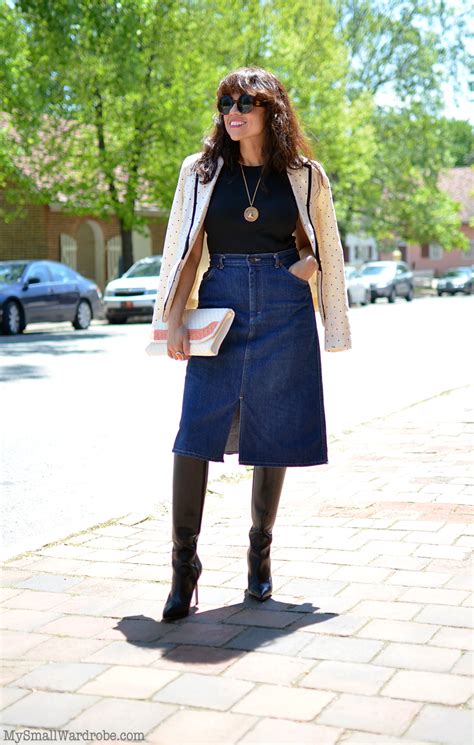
(250, 213)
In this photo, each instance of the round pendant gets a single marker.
(251, 214)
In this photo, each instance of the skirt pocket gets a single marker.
(292, 276)
(208, 274)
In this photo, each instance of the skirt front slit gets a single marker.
(264, 388)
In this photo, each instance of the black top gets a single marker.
(227, 229)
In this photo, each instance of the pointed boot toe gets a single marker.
(260, 590)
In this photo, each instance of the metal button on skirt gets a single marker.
(265, 383)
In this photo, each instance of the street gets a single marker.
(87, 430)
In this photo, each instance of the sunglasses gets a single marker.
(245, 103)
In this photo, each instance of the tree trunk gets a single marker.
(127, 247)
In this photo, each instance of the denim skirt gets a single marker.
(262, 395)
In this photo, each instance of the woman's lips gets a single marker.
(235, 124)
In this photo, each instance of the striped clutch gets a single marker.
(207, 328)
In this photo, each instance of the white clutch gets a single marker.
(207, 328)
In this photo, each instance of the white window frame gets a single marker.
(436, 252)
(68, 248)
(114, 252)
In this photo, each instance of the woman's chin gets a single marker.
(235, 136)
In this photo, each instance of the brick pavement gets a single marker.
(368, 638)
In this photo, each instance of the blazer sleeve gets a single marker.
(332, 284)
(171, 244)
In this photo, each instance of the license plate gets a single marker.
(126, 304)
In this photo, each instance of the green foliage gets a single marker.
(106, 98)
(459, 141)
(406, 46)
(406, 202)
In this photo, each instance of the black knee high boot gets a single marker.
(189, 490)
(266, 491)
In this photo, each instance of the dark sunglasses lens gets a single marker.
(245, 103)
(225, 104)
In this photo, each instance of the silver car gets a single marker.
(459, 279)
(134, 293)
(389, 279)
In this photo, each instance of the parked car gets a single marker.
(455, 280)
(357, 292)
(134, 293)
(45, 291)
(387, 279)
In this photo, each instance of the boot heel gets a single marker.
(196, 595)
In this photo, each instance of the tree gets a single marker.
(405, 47)
(405, 200)
(107, 111)
(403, 51)
(459, 141)
(107, 98)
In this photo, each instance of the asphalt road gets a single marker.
(88, 419)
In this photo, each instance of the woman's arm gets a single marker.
(178, 341)
(306, 266)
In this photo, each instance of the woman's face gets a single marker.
(243, 126)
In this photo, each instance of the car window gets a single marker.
(373, 269)
(457, 272)
(62, 273)
(11, 271)
(145, 268)
(350, 272)
(39, 271)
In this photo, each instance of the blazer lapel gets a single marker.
(203, 197)
(299, 180)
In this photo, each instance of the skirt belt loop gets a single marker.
(221, 261)
(277, 260)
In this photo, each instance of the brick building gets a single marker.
(90, 245)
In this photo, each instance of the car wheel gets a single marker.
(392, 295)
(366, 298)
(373, 298)
(83, 316)
(409, 295)
(349, 301)
(440, 293)
(117, 319)
(12, 322)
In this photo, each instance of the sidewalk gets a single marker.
(368, 638)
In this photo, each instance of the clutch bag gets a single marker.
(207, 328)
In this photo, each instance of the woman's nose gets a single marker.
(234, 105)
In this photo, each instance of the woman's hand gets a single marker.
(178, 342)
(304, 268)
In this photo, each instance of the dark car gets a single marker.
(455, 280)
(39, 291)
(388, 279)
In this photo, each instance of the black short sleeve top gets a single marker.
(227, 229)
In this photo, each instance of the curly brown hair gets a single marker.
(284, 144)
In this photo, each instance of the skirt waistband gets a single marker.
(264, 259)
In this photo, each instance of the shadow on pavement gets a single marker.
(191, 639)
(16, 372)
(48, 343)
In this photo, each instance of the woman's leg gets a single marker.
(266, 490)
(189, 491)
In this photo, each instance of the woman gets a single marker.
(252, 227)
